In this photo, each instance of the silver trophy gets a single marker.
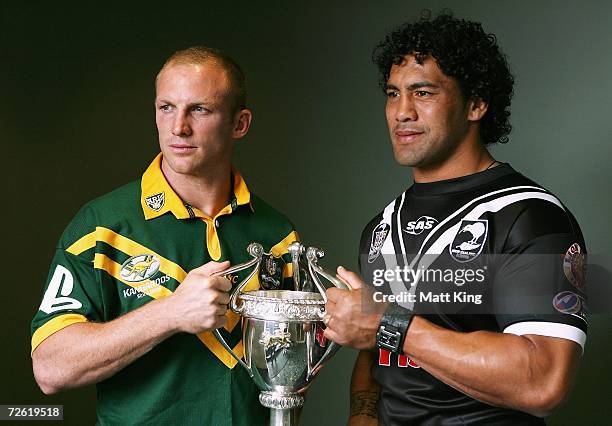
(283, 341)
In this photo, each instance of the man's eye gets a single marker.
(200, 109)
(422, 93)
(392, 94)
(165, 108)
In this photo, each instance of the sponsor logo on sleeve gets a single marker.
(469, 240)
(379, 235)
(156, 202)
(139, 268)
(56, 297)
(574, 267)
(567, 302)
(416, 227)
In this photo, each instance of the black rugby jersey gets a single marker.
(490, 251)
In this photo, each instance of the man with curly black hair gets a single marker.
(477, 273)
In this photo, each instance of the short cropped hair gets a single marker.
(464, 52)
(204, 54)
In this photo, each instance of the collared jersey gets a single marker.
(490, 251)
(137, 244)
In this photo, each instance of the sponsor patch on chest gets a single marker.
(424, 223)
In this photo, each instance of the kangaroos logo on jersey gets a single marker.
(139, 268)
(424, 223)
(379, 235)
(469, 240)
(156, 202)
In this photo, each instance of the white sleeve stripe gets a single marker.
(550, 329)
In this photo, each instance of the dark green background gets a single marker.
(77, 120)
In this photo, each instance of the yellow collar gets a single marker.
(157, 196)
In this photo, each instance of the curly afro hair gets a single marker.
(464, 52)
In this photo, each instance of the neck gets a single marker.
(209, 192)
(467, 159)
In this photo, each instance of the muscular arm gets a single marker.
(529, 373)
(86, 353)
(364, 392)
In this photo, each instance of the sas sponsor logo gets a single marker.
(156, 202)
(568, 302)
(379, 235)
(469, 240)
(139, 268)
(574, 267)
(424, 223)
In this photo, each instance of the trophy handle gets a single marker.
(312, 256)
(221, 340)
(256, 251)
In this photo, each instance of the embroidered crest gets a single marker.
(379, 235)
(156, 202)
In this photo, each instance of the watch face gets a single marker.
(388, 338)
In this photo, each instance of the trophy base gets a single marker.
(283, 407)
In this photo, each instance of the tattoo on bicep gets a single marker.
(363, 403)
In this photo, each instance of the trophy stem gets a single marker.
(283, 417)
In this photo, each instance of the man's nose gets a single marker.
(406, 110)
(181, 126)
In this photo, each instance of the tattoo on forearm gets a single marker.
(363, 403)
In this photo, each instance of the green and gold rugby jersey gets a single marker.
(137, 244)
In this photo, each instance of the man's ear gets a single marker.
(477, 108)
(242, 123)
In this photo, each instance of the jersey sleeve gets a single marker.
(539, 285)
(71, 293)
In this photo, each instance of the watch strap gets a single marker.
(393, 328)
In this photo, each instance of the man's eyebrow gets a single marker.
(421, 84)
(414, 86)
(190, 104)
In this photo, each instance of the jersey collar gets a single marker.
(158, 197)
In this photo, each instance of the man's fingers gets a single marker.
(222, 310)
(223, 298)
(221, 283)
(332, 335)
(335, 295)
(351, 278)
(213, 267)
(326, 319)
(221, 321)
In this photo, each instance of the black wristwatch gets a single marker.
(393, 328)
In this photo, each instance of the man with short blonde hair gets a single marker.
(113, 312)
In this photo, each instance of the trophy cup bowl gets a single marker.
(283, 340)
